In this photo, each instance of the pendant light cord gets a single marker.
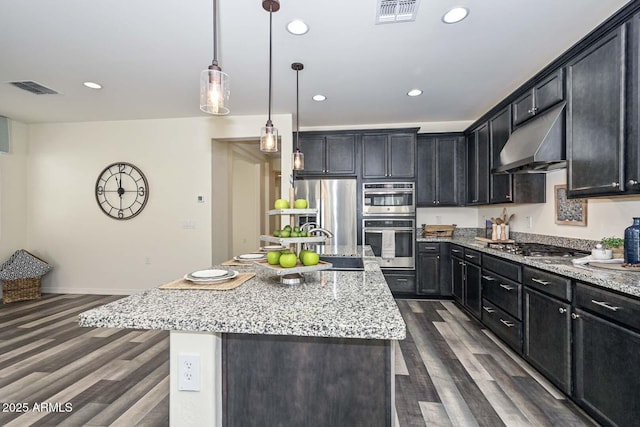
(270, 48)
(297, 109)
(215, 30)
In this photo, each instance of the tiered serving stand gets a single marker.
(293, 275)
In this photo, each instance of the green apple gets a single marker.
(285, 233)
(300, 204)
(301, 254)
(281, 204)
(273, 258)
(295, 234)
(296, 229)
(310, 258)
(288, 260)
(276, 233)
(287, 227)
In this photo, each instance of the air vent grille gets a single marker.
(33, 87)
(396, 11)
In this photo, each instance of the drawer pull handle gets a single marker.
(507, 287)
(507, 323)
(562, 310)
(488, 309)
(470, 256)
(606, 305)
(488, 278)
(401, 280)
(542, 282)
(456, 251)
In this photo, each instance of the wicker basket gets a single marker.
(20, 289)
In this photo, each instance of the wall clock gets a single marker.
(122, 190)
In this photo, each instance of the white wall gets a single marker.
(13, 192)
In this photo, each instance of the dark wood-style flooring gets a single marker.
(449, 371)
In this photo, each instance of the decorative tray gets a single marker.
(299, 268)
(614, 266)
(287, 240)
(293, 212)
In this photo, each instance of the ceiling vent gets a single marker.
(35, 88)
(396, 11)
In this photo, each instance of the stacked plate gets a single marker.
(271, 248)
(250, 257)
(206, 277)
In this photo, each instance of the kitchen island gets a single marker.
(318, 353)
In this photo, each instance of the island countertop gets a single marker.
(341, 304)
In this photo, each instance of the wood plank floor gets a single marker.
(449, 371)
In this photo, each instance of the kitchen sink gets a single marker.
(344, 263)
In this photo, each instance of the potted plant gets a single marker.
(616, 244)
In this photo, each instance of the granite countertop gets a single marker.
(342, 304)
(621, 281)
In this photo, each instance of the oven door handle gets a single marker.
(388, 193)
(380, 230)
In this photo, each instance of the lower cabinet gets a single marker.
(466, 278)
(547, 337)
(401, 282)
(432, 270)
(502, 324)
(457, 273)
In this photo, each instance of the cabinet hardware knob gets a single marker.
(542, 282)
(530, 111)
(507, 323)
(632, 182)
(507, 287)
(615, 184)
(574, 316)
(460, 263)
(474, 201)
(606, 305)
(562, 310)
(508, 197)
(488, 309)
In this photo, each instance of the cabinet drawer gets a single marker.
(547, 283)
(401, 283)
(472, 256)
(433, 248)
(503, 267)
(457, 251)
(503, 292)
(612, 306)
(503, 325)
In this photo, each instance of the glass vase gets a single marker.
(632, 242)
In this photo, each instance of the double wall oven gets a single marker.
(388, 222)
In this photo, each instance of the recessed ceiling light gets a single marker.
(414, 92)
(319, 98)
(297, 27)
(92, 85)
(454, 15)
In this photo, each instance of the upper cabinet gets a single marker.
(596, 117)
(440, 170)
(328, 154)
(388, 155)
(478, 165)
(545, 93)
(631, 182)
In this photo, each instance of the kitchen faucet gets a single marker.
(322, 231)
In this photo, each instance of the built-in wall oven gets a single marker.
(392, 241)
(388, 198)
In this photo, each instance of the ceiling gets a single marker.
(148, 55)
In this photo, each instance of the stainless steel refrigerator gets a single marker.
(336, 202)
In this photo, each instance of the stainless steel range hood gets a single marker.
(537, 146)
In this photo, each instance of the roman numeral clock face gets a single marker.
(122, 190)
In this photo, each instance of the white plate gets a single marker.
(272, 248)
(209, 274)
(251, 257)
(204, 281)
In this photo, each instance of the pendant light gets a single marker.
(298, 156)
(214, 84)
(269, 134)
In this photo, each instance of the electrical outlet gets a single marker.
(188, 372)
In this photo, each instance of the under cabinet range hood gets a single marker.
(536, 146)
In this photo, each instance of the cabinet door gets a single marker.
(547, 338)
(313, 148)
(500, 130)
(472, 288)
(522, 108)
(341, 154)
(426, 173)
(478, 166)
(374, 156)
(595, 117)
(429, 272)
(457, 278)
(549, 91)
(450, 171)
(401, 155)
(607, 370)
(632, 146)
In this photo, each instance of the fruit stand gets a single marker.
(293, 275)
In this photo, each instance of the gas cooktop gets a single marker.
(538, 250)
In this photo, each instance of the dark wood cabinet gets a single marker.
(478, 165)
(547, 337)
(433, 273)
(595, 117)
(466, 278)
(473, 288)
(631, 182)
(328, 154)
(388, 155)
(401, 282)
(544, 94)
(457, 272)
(440, 170)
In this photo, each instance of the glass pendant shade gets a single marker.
(269, 138)
(298, 160)
(214, 91)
